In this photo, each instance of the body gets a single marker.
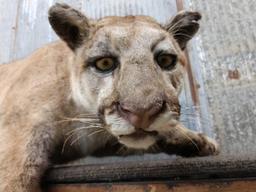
(77, 98)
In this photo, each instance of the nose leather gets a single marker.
(140, 117)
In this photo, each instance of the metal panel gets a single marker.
(25, 27)
(8, 19)
(223, 56)
(32, 30)
(161, 10)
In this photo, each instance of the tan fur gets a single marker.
(55, 107)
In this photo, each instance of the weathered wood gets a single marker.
(196, 186)
(176, 169)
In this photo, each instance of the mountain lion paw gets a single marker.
(207, 146)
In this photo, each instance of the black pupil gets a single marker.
(165, 60)
(106, 63)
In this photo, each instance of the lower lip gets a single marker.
(141, 134)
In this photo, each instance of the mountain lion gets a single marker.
(109, 88)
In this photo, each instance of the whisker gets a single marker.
(121, 150)
(79, 137)
(90, 121)
(65, 143)
(189, 138)
(83, 120)
(95, 132)
(194, 120)
(154, 148)
(71, 134)
(83, 128)
(183, 34)
(87, 115)
(173, 26)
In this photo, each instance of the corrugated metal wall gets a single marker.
(222, 56)
(24, 23)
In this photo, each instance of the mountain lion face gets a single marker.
(127, 69)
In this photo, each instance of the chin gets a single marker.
(138, 141)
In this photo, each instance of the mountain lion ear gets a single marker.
(69, 24)
(183, 27)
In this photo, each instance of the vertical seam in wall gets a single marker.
(179, 4)
(205, 114)
(192, 81)
(13, 54)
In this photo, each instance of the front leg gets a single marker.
(182, 141)
(24, 157)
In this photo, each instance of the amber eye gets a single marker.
(105, 65)
(166, 61)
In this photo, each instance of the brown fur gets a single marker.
(50, 95)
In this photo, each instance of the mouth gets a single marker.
(140, 134)
(140, 139)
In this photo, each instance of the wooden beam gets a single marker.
(203, 186)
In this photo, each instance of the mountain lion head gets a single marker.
(127, 69)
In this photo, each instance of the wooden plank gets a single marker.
(175, 169)
(196, 186)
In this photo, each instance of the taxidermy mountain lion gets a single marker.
(109, 88)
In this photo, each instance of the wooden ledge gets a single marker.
(203, 186)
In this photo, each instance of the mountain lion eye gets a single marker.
(105, 65)
(167, 61)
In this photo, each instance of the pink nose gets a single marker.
(140, 117)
